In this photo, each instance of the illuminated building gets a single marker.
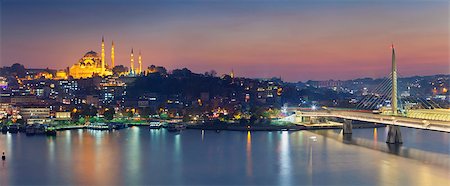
(60, 75)
(67, 89)
(62, 116)
(35, 115)
(103, 55)
(45, 75)
(3, 83)
(140, 63)
(112, 89)
(90, 64)
(112, 55)
(132, 63)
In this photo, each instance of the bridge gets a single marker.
(437, 120)
(436, 125)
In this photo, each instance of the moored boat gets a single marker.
(50, 131)
(155, 125)
(173, 127)
(100, 126)
(4, 129)
(118, 126)
(14, 128)
(30, 130)
(40, 129)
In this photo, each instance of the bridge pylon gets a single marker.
(394, 135)
(347, 126)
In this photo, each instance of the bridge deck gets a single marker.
(443, 126)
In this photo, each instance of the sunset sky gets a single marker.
(297, 40)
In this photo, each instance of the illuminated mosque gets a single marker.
(91, 64)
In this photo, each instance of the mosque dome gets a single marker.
(91, 54)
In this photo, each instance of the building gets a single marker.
(36, 115)
(90, 65)
(62, 116)
(24, 100)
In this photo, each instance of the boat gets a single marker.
(40, 129)
(22, 127)
(155, 125)
(118, 126)
(175, 127)
(100, 126)
(14, 128)
(50, 131)
(4, 129)
(30, 130)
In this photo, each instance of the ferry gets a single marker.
(100, 126)
(155, 125)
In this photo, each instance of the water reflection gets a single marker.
(285, 159)
(249, 154)
(400, 150)
(133, 156)
(203, 135)
(178, 158)
(136, 156)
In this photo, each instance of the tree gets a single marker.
(88, 110)
(211, 73)
(119, 69)
(130, 114)
(18, 69)
(181, 72)
(109, 114)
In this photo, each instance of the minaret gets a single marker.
(103, 55)
(132, 62)
(112, 55)
(140, 63)
(394, 83)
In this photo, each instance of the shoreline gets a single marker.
(240, 127)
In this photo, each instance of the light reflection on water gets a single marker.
(249, 166)
(137, 156)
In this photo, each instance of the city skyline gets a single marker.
(294, 40)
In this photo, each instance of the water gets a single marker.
(137, 156)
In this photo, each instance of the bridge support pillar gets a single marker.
(347, 126)
(394, 135)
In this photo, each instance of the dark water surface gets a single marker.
(137, 156)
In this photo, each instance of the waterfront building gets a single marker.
(35, 115)
(61, 116)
